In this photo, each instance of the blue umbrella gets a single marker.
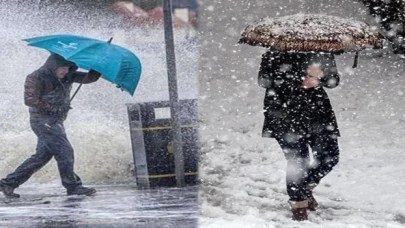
(116, 64)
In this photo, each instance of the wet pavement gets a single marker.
(120, 205)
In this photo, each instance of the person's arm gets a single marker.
(80, 77)
(266, 75)
(331, 77)
(32, 92)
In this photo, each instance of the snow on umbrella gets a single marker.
(311, 33)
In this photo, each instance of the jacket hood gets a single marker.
(54, 61)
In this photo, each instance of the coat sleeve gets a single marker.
(331, 77)
(80, 77)
(266, 77)
(32, 93)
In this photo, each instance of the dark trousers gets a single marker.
(300, 172)
(52, 142)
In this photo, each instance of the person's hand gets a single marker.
(310, 82)
(314, 74)
(94, 73)
(314, 70)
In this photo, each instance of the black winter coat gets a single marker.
(289, 109)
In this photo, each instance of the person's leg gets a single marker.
(57, 142)
(64, 154)
(297, 156)
(28, 167)
(325, 151)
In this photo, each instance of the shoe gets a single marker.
(299, 210)
(8, 191)
(80, 190)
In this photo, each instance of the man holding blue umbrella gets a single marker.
(47, 93)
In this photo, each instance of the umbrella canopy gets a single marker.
(116, 64)
(311, 32)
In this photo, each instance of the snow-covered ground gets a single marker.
(243, 175)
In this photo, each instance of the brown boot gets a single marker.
(312, 203)
(299, 210)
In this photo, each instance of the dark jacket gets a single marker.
(290, 109)
(46, 94)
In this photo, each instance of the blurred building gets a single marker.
(150, 12)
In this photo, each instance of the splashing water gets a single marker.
(97, 125)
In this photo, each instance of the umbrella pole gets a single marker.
(78, 88)
(356, 59)
(173, 94)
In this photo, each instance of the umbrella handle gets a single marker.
(356, 58)
(78, 88)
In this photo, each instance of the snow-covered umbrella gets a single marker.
(312, 33)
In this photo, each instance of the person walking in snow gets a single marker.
(47, 93)
(298, 114)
